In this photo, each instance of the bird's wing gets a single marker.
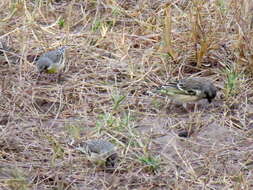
(171, 89)
(54, 56)
(190, 86)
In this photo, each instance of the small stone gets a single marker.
(184, 134)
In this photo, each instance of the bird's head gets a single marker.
(43, 64)
(210, 92)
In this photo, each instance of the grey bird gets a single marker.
(189, 90)
(52, 61)
(100, 151)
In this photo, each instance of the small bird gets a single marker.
(189, 90)
(100, 151)
(52, 61)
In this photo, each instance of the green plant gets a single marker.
(151, 163)
(57, 149)
(61, 22)
(116, 11)
(74, 131)
(117, 100)
(221, 5)
(97, 24)
(231, 83)
(17, 180)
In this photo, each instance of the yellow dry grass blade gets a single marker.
(250, 59)
(168, 35)
(202, 52)
(199, 36)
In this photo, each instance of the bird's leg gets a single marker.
(190, 107)
(185, 106)
(59, 77)
(38, 76)
(168, 105)
(168, 108)
(195, 107)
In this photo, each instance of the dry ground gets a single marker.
(120, 50)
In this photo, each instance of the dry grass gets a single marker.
(119, 51)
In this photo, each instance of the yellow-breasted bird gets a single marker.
(52, 61)
(189, 90)
(100, 151)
